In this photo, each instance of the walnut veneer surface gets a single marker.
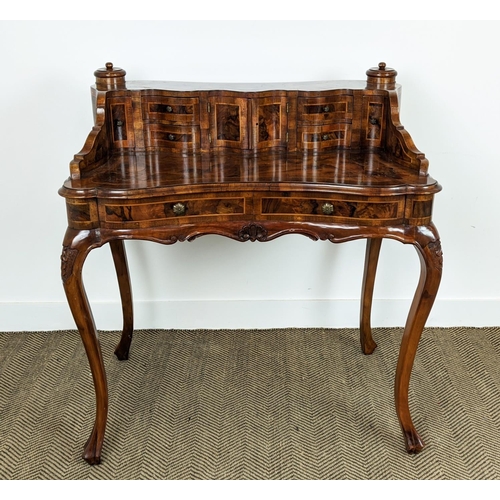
(172, 161)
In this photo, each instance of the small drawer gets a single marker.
(170, 109)
(172, 137)
(161, 211)
(82, 214)
(324, 136)
(210, 206)
(325, 109)
(340, 209)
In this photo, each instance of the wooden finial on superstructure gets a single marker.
(110, 78)
(381, 77)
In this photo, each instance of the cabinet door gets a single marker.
(121, 122)
(269, 121)
(373, 121)
(228, 122)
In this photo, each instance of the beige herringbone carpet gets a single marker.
(251, 404)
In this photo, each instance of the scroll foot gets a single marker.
(122, 349)
(92, 451)
(368, 345)
(414, 443)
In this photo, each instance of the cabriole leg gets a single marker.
(368, 345)
(122, 272)
(428, 248)
(76, 246)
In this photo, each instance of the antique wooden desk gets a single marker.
(170, 161)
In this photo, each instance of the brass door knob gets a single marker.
(327, 208)
(179, 209)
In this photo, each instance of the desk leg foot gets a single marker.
(122, 273)
(76, 246)
(414, 443)
(92, 450)
(428, 247)
(368, 345)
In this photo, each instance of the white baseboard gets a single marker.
(246, 314)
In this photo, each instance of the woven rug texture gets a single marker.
(251, 404)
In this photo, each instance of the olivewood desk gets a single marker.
(170, 161)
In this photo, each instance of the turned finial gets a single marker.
(381, 77)
(110, 77)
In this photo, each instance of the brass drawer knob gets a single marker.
(325, 137)
(326, 109)
(171, 137)
(179, 209)
(169, 109)
(327, 208)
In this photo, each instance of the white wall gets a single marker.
(451, 107)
